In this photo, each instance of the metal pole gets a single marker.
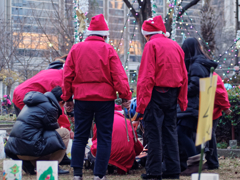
(237, 24)
(126, 125)
(135, 138)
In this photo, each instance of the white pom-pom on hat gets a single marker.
(167, 34)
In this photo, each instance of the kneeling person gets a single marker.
(123, 153)
(36, 134)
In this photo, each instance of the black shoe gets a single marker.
(170, 176)
(110, 169)
(65, 161)
(28, 168)
(212, 167)
(61, 171)
(148, 176)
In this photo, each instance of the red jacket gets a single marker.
(42, 82)
(221, 99)
(94, 72)
(162, 65)
(123, 153)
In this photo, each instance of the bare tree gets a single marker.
(208, 25)
(58, 28)
(19, 50)
(145, 12)
(10, 40)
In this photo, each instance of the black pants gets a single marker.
(212, 155)
(17, 110)
(160, 120)
(84, 112)
(187, 146)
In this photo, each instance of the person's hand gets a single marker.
(228, 111)
(72, 119)
(126, 104)
(69, 106)
(71, 135)
(135, 124)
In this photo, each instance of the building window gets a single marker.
(117, 4)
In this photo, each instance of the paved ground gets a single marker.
(229, 169)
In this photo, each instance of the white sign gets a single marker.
(12, 170)
(205, 176)
(47, 170)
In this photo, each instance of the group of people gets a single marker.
(167, 99)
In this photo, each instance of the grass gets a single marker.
(7, 117)
(229, 169)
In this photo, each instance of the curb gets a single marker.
(229, 152)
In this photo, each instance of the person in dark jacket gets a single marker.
(36, 134)
(198, 66)
(43, 82)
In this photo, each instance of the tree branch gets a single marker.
(192, 3)
(133, 11)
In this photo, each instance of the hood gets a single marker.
(54, 101)
(55, 65)
(34, 98)
(207, 63)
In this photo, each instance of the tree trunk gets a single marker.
(9, 89)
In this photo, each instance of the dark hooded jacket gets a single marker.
(34, 133)
(200, 68)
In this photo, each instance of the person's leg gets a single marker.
(17, 110)
(83, 114)
(211, 155)
(104, 114)
(65, 135)
(153, 119)
(170, 138)
(185, 139)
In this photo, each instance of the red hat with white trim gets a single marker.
(154, 26)
(98, 26)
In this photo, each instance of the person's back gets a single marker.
(42, 82)
(200, 68)
(31, 134)
(123, 153)
(95, 65)
(169, 58)
(165, 62)
(36, 134)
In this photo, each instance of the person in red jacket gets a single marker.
(43, 82)
(221, 103)
(123, 153)
(93, 73)
(162, 82)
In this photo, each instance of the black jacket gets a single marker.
(200, 68)
(55, 65)
(34, 133)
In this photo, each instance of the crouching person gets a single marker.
(36, 134)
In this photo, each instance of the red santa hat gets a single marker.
(98, 26)
(154, 26)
